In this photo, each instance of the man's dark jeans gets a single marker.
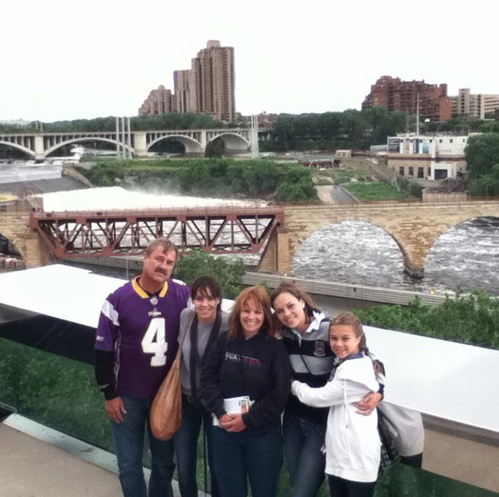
(129, 442)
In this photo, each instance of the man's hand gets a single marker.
(367, 405)
(232, 422)
(115, 409)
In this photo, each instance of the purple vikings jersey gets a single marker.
(142, 331)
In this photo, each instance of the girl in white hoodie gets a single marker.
(352, 440)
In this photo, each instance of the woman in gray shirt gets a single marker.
(199, 328)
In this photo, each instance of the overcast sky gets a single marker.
(69, 60)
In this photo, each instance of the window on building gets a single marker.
(420, 172)
(411, 171)
(401, 170)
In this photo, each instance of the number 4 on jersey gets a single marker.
(154, 342)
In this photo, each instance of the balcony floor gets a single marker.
(33, 468)
(36, 461)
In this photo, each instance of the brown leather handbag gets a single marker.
(166, 410)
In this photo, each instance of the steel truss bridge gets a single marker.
(219, 230)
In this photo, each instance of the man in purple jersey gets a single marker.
(135, 346)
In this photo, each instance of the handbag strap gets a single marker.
(178, 356)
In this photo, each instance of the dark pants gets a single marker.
(129, 442)
(338, 487)
(414, 461)
(242, 456)
(186, 445)
(303, 442)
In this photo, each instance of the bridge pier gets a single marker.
(39, 148)
(36, 253)
(414, 271)
(277, 256)
(15, 227)
(140, 143)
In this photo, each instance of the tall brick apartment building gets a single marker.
(159, 101)
(400, 95)
(208, 87)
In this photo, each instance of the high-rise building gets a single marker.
(478, 106)
(208, 87)
(184, 87)
(215, 81)
(434, 104)
(159, 101)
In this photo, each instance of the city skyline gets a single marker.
(103, 59)
(207, 87)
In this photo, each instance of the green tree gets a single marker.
(228, 177)
(487, 184)
(297, 186)
(174, 120)
(229, 274)
(354, 127)
(284, 130)
(472, 319)
(215, 148)
(329, 125)
(482, 153)
(489, 126)
(383, 123)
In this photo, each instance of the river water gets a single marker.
(465, 257)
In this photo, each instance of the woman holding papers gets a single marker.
(245, 384)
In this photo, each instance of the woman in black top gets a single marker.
(245, 384)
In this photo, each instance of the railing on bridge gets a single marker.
(220, 230)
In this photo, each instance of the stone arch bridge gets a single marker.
(415, 227)
(41, 145)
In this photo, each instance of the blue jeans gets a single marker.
(129, 442)
(306, 463)
(186, 445)
(242, 456)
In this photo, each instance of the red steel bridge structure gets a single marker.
(219, 230)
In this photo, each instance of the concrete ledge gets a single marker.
(345, 290)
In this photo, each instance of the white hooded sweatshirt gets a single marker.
(353, 445)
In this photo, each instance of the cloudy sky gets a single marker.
(69, 60)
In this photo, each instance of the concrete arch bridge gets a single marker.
(40, 145)
(415, 227)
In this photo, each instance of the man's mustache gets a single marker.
(161, 271)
